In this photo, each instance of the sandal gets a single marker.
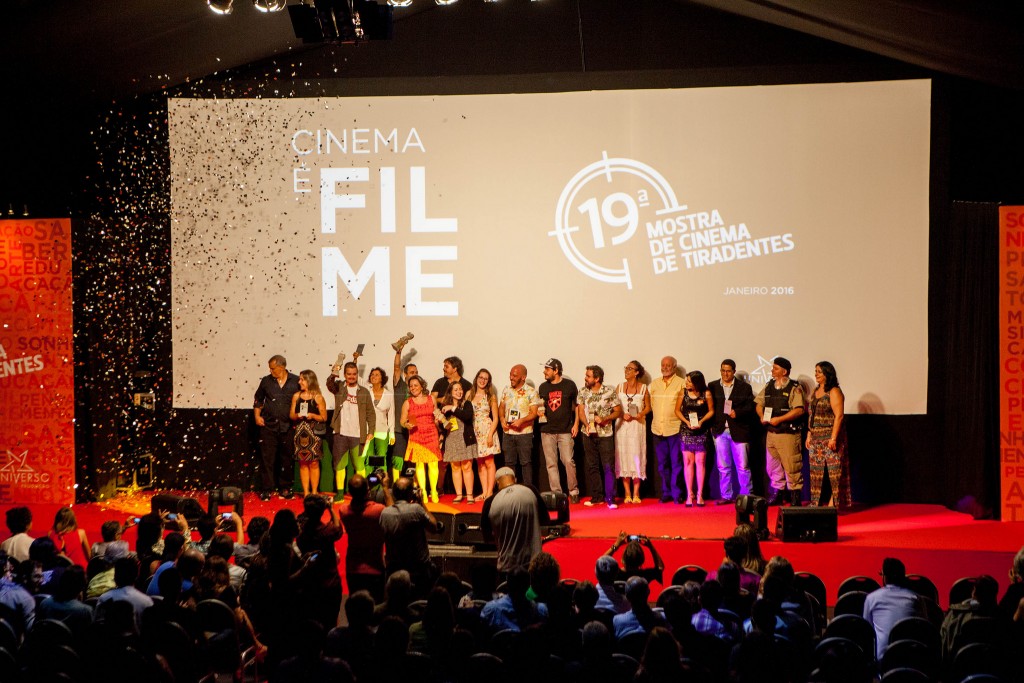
(457, 499)
(470, 499)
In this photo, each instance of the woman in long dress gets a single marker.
(695, 408)
(309, 413)
(826, 438)
(460, 444)
(631, 431)
(484, 400)
(419, 416)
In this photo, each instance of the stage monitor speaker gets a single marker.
(447, 532)
(808, 525)
(558, 503)
(228, 495)
(168, 502)
(753, 510)
(468, 531)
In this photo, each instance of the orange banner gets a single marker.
(1011, 362)
(37, 398)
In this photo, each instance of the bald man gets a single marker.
(511, 518)
(665, 392)
(518, 410)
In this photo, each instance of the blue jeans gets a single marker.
(670, 465)
(730, 454)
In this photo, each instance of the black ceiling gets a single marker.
(102, 49)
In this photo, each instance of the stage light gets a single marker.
(220, 6)
(400, 3)
(269, 5)
(446, 2)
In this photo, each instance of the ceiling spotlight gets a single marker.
(400, 3)
(446, 2)
(220, 6)
(269, 5)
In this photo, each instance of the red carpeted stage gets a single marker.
(931, 540)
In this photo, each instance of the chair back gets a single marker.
(923, 586)
(917, 629)
(858, 583)
(910, 654)
(689, 572)
(962, 589)
(855, 628)
(850, 603)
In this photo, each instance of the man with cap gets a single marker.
(559, 424)
(890, 603)
(511, 519)
(780, 407)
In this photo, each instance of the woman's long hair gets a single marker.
(829, 370)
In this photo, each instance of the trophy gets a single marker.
(400, 344)
(338, 363)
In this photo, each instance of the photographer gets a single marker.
(405, 524)
(633, 558)
(364, 559)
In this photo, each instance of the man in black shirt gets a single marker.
(271, 407)
(559, 424)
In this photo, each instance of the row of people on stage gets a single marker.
(455, 424)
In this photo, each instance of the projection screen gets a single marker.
(594, 227)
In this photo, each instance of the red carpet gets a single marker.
(931, 540)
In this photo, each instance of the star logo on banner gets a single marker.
(763, 372)
(16, 462)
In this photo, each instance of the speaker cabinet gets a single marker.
(808, 525)
(168, 502)
(558, 503)
(468, 531)
(447, 532)
(229, 495)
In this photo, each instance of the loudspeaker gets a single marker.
(558, 503)
(447, 532)
(168, 502)
(229, 495)
(468, 531)
(753, 510)
(814, 524)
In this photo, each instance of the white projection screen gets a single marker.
(595, 227)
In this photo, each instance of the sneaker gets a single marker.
(613, 506)
(265, 496)
(725, 501)
(591, 503)
(574, 498)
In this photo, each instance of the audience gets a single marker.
(19, 523)
(567, 630)
(891, 603)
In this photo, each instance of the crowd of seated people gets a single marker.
(173, 610)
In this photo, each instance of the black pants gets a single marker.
(278, 454)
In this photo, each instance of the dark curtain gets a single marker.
(964, 357)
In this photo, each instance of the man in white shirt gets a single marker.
(354, 421)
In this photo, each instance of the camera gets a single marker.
(376, 478)
(225, 515)
(634, 537)
(172, 516)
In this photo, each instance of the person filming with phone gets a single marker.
(633, 558)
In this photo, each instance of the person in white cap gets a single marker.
(511, 518)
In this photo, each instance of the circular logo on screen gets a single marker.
(602, 208)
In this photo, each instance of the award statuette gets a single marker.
(338, 363)
(400, 344)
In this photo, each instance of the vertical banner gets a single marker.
(1011, 363)
(37, 402)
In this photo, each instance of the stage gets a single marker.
(931, 540)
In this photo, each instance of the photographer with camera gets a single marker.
(405, 522)
(633, 558)
(364, 559)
